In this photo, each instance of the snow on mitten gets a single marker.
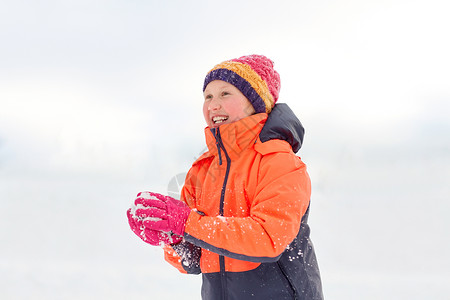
(133, 221)
(152, 237)
(162, 213)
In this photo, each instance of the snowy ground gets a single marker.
(64, 240)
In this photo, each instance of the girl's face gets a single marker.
(224, 104)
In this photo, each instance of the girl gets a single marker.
(242, 218)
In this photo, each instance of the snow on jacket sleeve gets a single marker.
(184, 256)
(173, 258)
(280, 199)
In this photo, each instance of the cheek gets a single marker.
(235, 113)
(243, 109)
(206, 112)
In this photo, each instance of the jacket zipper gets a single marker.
(220, 146)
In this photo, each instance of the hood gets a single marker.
(282, 124)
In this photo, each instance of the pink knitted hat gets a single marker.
(254, 76)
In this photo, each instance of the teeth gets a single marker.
(219, 119)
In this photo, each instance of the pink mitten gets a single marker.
(162, 213)
(133, 221)
(153, 237)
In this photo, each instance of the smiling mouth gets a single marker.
(219, 119)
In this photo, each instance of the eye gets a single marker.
(225, 93)
(208, 97)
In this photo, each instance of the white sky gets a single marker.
(101, 99)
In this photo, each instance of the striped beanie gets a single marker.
(254, 76)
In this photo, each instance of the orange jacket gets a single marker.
(249, 198)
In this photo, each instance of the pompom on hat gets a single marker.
(254, 76)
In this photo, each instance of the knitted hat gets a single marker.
(254, 76)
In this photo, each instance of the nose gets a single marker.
(214, 104)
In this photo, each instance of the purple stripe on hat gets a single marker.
(240, 83)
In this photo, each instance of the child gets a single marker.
(242, 218)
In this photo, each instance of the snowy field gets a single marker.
(101, 100)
